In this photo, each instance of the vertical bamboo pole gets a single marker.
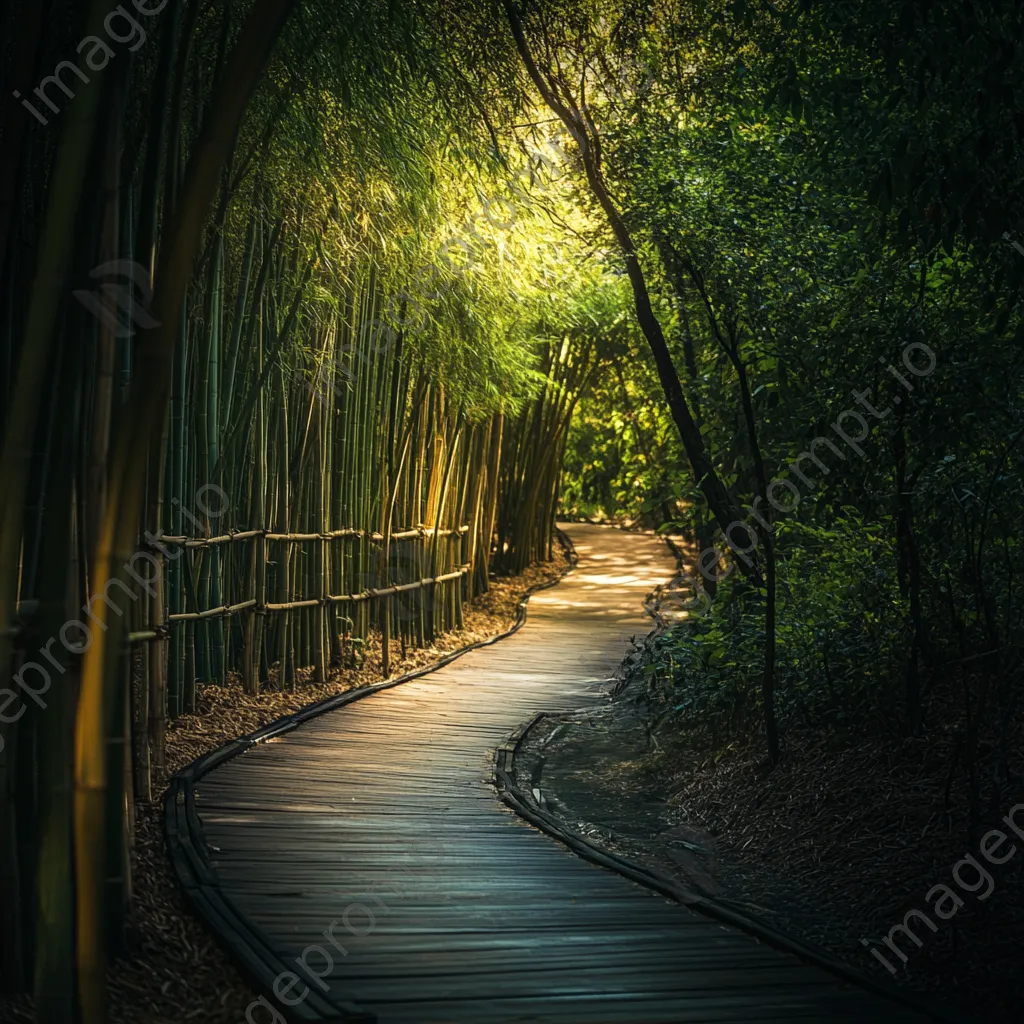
(286, 675)
(216, 627)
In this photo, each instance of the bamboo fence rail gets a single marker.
(161, 630)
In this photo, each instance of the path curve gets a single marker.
(369, 845)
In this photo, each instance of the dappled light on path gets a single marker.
(376, 827)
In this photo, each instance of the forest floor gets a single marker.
(176, 971)
(837, 844)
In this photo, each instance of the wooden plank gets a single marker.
(308, 820)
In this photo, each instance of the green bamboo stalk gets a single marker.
(216, 628)
(286, 674)
(54, 953)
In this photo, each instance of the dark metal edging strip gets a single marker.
(244, 942)
(524, 805)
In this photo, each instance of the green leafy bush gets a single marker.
(840, 640)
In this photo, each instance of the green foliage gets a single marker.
(840, 638)
(823, 189)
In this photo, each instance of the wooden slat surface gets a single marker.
(509, 926)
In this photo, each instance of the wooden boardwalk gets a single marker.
(377, 826)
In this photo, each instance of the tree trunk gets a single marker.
(143, 416)
(564, 106)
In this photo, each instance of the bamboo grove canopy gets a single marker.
(314, 311)
(292, 337)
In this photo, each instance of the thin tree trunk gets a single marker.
(557, 98)
(55, 934)
(144, 413)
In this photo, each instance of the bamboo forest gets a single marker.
(511, 511)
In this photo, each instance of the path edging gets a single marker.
(524, 805)
(245, 943)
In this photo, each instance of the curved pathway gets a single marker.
(369, 846)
